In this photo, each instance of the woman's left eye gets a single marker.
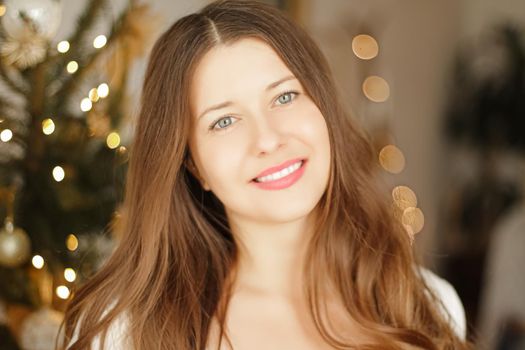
(287, 96)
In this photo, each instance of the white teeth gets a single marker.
(280, 174)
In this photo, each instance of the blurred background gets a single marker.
(439, 85)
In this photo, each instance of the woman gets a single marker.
(252, 219)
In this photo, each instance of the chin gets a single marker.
(286, 211)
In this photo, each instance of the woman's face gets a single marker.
(264, 120)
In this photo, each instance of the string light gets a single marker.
(103, 90)
(62, 292)
(93, 95)
(365, 47)
(85, 104)
(71, 242)
(38, 262)
(58, 173)
(63, 46)
(100, 41)
(376, 89)
(6, 135)
(70, 274)
(48, 126)
(113, 140)
(392, 159)
(72, 67)
(2, 10)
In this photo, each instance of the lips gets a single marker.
(278, 167)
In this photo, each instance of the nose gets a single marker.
(267, 136)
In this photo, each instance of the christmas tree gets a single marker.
(63, 108)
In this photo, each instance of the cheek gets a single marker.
(312, 128)
(221, 160)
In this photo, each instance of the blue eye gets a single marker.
(222, 123)
(285, 94)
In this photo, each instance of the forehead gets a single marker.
(248, 64)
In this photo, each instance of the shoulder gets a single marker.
(117, 336)
(454, 310)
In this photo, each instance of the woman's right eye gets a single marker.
(221, 124)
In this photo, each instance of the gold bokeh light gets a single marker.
(71, 242)
(103, 90)
(6, 135)
(404, 197)
(38, 261)
(113, 140)
(93, 95)
(376, 89)
(72, 67)
(413, 219)
(48, 126)
(69, 274)
(63, 46)
(63, 292)
(392, 159)
(365, 46)
(100, 41)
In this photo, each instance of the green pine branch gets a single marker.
(11, 83)
(72, 81)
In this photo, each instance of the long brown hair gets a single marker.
(171, 267)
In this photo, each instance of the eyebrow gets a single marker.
(229, 103)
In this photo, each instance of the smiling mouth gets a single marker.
(278, 175)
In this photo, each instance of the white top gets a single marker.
(116, 336)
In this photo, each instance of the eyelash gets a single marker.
(212, 126)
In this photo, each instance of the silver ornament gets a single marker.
(15, 246)
(26, 18)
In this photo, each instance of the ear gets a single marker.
(190, 165)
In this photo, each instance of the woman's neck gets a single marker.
(271, 256)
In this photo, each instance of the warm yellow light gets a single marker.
(62, 292)
(72, 67)
(38, 262)
(392, 159)
(6, 135)
(404, 197)
(93, 95)
(63, 46)
(376, 89)
(70, 274)
(2, 10)
(85, 104)
(365, 46)
(58, 173)
(100, 41)
(103, 90)
(413, 220)
(113, 140)
(71, 242)
(48, 126)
